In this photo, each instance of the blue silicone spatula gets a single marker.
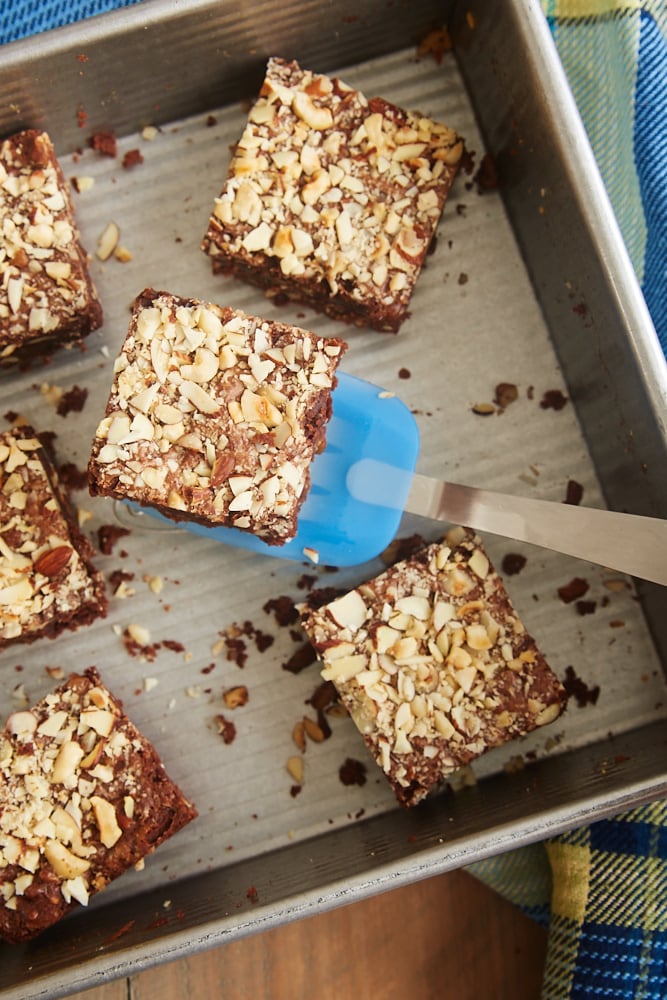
(365, 480)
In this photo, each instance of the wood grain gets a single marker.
(446, 937)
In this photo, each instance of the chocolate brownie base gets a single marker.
(332, 199)
(434, 664)
(215, 416)
(47, 580)
(47, 298)
(83, 798)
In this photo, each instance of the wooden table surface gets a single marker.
(445, 937)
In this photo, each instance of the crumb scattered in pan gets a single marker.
(435, 43)
(585, 607)
(226, 729)
(553, 399)
(574, 492)
(104, 142)
(506, 393)
(513, 563)
(301, 658)
(283, 609)
(486, 177)
(352, 772)
(132, 158)
(573, 590)
(579, 690)
(73, 477)
(72, 401)
(404, 373)
(108, 535)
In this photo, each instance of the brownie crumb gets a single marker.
(352, 772)
(576, 688)
(283, 609)
(301, 658)
(132, 158)
(404, 373)
(574, 492)
(73, 477)
(573, 590)
(506, 393)
(513, 563)
(104, 143)
(486, 177)
(72, 401)
(585, 607)
(226, 729)
(553, 399)
(108, 535)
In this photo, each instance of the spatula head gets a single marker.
(334, 528)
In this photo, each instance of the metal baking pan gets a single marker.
(529, 284)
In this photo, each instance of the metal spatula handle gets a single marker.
(628, 543)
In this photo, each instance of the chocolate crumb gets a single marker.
(108, 535)
(506, 393)
(283, 609)
(132, 158)
(72, 401)
(574, 492)
(104, 143)
(226, 729)
(486, 177)
(553, 399)
(352, 772)
(73, 477)
(585, 607)
(404, 373)
(300, 659)
(579, 690)
(573, 590)
(513, 563)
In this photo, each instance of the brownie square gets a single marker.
(434, 664)
(47, 580)
(331, 198)
(84, 797)
(215, 416)
(47, 298)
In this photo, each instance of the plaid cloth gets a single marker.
(601, 890)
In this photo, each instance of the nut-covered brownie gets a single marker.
(332, 198)
(84, 796)
(47, 298)
(47, 580)
(215, 416)
(434, 664)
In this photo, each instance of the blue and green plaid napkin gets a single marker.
(601, 890)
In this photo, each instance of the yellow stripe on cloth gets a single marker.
(570, 866)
